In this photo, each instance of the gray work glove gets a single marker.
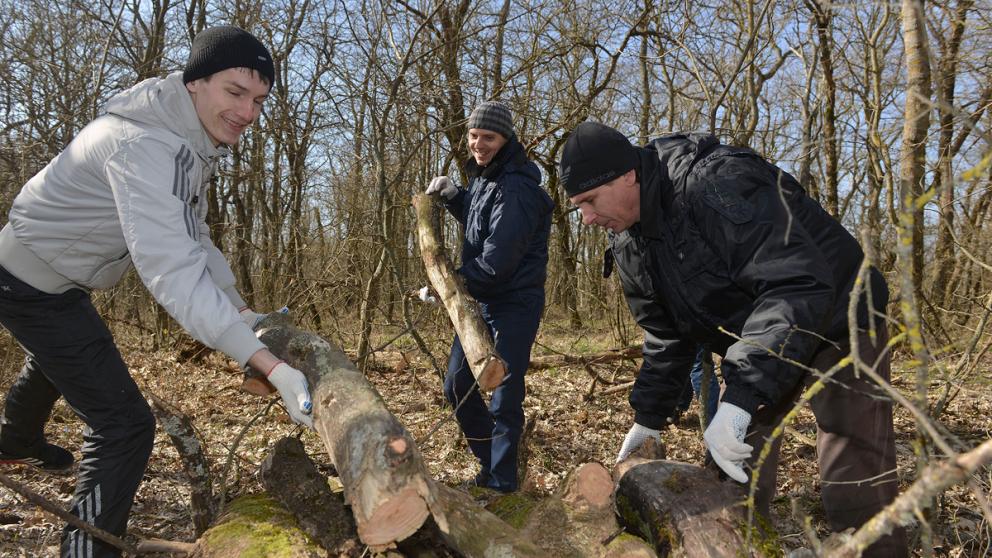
(293, 389)
(442, 186)
(725, 439)
(635, 438)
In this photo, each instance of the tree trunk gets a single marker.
(385, 480)
(684, 508)
(488, 367)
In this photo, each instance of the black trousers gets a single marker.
(855, 444)
(71, 353)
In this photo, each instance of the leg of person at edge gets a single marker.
(506, 217)
(128, 189)
(709, 239)
(694, 388)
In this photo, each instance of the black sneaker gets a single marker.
(49, 458)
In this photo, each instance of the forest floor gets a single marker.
(569, 429)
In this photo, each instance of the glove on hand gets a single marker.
(725, 439)
(425, 295)
(443, 186)
(250, 317)
(292, 386)
(635, 438)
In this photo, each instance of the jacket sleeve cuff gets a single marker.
(650, 420)
(235, 297)
(239, 343)
(742, 398)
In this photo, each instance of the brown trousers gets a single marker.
(855, 444)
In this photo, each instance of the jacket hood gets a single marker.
(165, 103)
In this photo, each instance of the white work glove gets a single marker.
(424, 294)
(635, 438)
(725, 439)
(292, 386)
(443, 186)
(250, 317)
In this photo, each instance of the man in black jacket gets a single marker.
(715, 245)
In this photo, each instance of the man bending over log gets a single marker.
(130, 188)
(715, 245)
(507, 220)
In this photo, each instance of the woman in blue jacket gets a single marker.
(506, 216)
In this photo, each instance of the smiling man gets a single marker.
(717, 246)
(129, 189)
(507, 220)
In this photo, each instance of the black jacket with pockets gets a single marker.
(731, 252)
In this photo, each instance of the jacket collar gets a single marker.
(509, 157)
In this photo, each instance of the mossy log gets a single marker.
(288, 475)
(256, 526)
(487, 366)
(686, 510)
(385, 480)
(477, 533)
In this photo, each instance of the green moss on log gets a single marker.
(257, 526)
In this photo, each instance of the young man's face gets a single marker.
(228, 102)
(616, 205)
(484, 145)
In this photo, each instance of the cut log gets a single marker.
(256, 525)
(290, 476)
(488, 367)
(385, 480)
(579, 520)
(686, 508)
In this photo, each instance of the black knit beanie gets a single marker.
(493, 116)
(593, 155)
(226, 46)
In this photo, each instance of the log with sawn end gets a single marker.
(487, 366)
(384, 476)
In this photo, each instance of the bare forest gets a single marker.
(882, 110)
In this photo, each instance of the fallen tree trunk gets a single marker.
(683, 507)
(290, 476)
(487, 366)
(385, 480)
(256, 525)
(553, 361)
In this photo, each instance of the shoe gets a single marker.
(481, 480)
(49, 458)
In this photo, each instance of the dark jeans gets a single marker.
(70, 352)
(493, 434)
(695, 386)
(855, 444)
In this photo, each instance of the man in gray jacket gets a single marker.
(129, 189)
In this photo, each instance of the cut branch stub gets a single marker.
(384, 477)
(480, 353)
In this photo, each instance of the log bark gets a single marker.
(487, 366)
(385, 480)
(290, 477)
(683, 508)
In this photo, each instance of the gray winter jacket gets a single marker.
(131, 189)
